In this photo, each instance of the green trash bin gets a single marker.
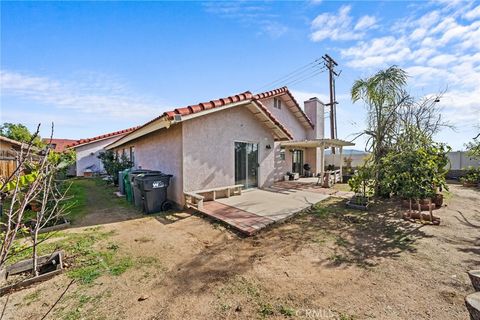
(127, 186)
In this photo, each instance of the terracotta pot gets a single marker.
(423, 205)
(469, 184)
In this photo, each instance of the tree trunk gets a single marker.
(35, 270)
(430, 209)
(419, 210)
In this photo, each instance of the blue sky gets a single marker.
(93, 67)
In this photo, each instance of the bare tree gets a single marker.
(33, 181)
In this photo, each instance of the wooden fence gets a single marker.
(8, 163)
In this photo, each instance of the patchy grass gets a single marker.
(78, 304)
(80, 193)
(78, 201)
(359, 237)
(84, 253)
(341, 187)
(32, 297)
(286, 311)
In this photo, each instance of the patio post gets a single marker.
(341, 164)
(322, 161)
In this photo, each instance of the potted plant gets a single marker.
(362, 184)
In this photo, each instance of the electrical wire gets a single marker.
(294, 74)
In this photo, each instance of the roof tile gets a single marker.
(103, 136)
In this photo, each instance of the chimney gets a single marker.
(315, 110)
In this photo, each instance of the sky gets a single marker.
(97, 67)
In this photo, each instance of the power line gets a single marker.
(295, 73)
(306, 77)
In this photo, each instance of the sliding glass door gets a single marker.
(246, 164)
(297, 161)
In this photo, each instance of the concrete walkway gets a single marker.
(257, 208)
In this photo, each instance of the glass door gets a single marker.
(246, 164)
(297, 161)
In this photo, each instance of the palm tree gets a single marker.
(382, 93)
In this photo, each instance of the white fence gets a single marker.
(458, 159)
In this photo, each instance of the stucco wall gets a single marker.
(288, 119)
(208, 154)
(282, 166)
(162, 150)
(87, 155)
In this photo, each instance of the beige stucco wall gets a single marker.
(208, 148)
(287, 118)
(299, 132)
(87, 155)
(162, 150)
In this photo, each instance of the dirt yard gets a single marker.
(328, 263)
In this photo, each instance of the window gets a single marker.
(282, 154)
(277, 103)
(132, 155)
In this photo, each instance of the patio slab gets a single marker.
(275, 203)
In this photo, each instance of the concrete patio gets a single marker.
(257, 208)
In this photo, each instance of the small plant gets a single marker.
(286, 311)
(472, 176)
(362, 183)
(266, 309)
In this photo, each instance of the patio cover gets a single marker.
(314, 143)
(322, 144)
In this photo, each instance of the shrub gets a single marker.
(113, 164)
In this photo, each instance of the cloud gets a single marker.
(377, 52)
(365, 22)
(473, 14)
(90, 93)
(338, 26)
(247, 13)
(438, 47)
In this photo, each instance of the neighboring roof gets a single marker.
(246, 96)
(15, 142)
(60, 144)
(19, 144)
(314, 143)
(80, 142)
(293, 104)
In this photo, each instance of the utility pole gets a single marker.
(331, 64)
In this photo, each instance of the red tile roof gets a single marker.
(60, 144)
(247, 95)
(101, 137)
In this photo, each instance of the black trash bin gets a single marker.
(131, 177)
(136, 193)
(154, 191)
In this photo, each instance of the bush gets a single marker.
(472, 176)
(113, 164)
(362, 182)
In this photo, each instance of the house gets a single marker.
(248, 139)
(87, 151)
(58, 145)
